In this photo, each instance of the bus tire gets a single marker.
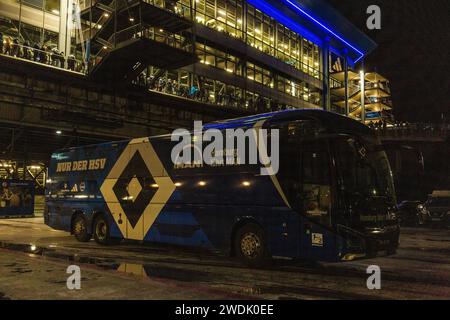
(101, 230)
(250, 245)
(79, 229)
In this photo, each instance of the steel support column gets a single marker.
(64, 27)
(362, 76)
(346, 106)
(326, 102)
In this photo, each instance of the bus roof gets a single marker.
(334, 122)
(91, 145)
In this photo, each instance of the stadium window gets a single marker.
(34, 3)
(52, 6)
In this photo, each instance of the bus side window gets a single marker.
(316, 193)
(62, 189)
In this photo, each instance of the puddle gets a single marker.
(142, 270)
(153, 271)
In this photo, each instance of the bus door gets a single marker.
(317, 241)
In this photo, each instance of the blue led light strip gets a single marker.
(295, 6)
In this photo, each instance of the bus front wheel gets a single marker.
(79, 229)
(101, 230)
(250, 245)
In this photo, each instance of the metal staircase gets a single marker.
(126, 36)
(377, 100)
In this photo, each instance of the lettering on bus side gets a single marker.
(81, 165)
(229, 147)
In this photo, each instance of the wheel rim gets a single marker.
(101, 230)
(79, 227)
(250, 245)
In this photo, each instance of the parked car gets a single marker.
(437, 207)
(410, 213)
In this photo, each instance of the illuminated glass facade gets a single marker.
(241, 20)
(30, 21)
(268, 78)
(252, 55)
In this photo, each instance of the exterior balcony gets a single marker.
(338, 89)
(375, 84)
(105, 17)
(379, 104)
(126, 36)
(377, 80)
(371, 95)
(340, 76)
(96, 18)
(174, 18)
(138, 47)
(86, 5)
(372, 105)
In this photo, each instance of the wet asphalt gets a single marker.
(35, 256)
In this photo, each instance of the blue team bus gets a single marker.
(331, 199)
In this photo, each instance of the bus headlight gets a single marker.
(422, 209)
(391, 216)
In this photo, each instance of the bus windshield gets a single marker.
(384, 183)
(365, 170)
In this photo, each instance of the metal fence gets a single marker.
(413, 131)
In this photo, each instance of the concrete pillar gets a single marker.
(326, 102)
(65, 13)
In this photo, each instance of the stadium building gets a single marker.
(74, 72)
(253, 55)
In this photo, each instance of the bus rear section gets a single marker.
(73, 197)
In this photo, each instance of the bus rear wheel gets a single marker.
(79, 229)
(250, 245)
(101, 230)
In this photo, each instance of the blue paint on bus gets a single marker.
(143, 196)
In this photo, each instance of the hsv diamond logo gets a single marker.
(137, 188)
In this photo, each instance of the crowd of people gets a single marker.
(171, 86)
(403, 128)
(194, 92)
(44, 54)
(377, 125)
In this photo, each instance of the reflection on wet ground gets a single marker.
(166, 272)
(268, 288)
(144, 270)
(421, 268)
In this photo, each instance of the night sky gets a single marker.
(413, 53)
